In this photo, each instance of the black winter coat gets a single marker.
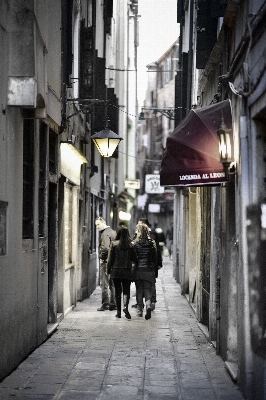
(147, 259)
(120, 260)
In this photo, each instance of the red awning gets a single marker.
(192, 154)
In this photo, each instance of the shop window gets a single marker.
(28, 178)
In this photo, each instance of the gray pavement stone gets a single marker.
(95, 356)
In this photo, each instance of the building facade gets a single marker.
(219, 241)
(64, 73)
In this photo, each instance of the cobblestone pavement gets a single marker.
(95, 356)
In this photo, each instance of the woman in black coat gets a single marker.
(145, 273)
(119, 264)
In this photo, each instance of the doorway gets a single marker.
(52, 253)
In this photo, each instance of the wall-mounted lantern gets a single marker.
(225, 149)
(224, 144)
(141, 120)
(106, 141)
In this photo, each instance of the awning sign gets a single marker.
(152, 184)
(192, 150)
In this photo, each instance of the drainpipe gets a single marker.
(218, 313)
(127, 86)
(185, 222)
(244, 199)
(190, 55)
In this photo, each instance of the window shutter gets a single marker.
(206, 33)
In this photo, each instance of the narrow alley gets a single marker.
(95, 356)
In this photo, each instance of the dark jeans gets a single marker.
(107, 286)
(122, 285)
(143, 290)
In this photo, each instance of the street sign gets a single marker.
(152, 184)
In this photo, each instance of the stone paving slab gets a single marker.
(95, 356)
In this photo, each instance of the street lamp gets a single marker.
(141, 120)
(106, 141)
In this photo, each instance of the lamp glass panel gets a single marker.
(228, 146)
(222, 147)
(106, 146)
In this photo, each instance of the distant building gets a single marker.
(159, 117)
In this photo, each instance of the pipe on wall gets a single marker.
(245, 375)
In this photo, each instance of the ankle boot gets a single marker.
(118, 305)
(125, 309)
(127, 314)
(148, 310)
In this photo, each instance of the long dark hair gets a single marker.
(122, 234)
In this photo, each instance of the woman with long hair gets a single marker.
(120, 261)
(145, 272)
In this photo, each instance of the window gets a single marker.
(52, 151)
(42, 177)
(68, 205)
(3, 219)
(28, 178)
(92, 220)
(152, 99)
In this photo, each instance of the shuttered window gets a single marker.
(28, 178)
(42, 177)
(206, 33)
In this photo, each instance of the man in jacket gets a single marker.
(106, 284)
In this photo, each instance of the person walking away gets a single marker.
(169, 239)
(153, 234)
(144, 274)
(106, 284)
(120, 261)
(161, 236)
